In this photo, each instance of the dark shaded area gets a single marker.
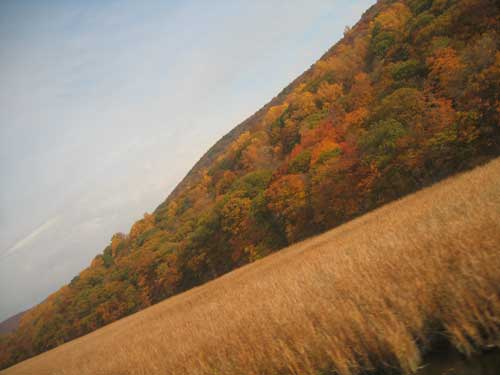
(448, 361)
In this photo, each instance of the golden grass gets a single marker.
(370, 294)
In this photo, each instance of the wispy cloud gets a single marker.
(32, 236)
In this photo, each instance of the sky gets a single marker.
(106, 105)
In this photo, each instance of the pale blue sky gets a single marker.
(105, 105)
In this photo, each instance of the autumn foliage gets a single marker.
(408, 96)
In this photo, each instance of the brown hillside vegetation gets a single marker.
(373, 293)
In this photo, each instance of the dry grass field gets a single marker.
(373, 293)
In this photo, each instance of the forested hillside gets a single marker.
(408, 96)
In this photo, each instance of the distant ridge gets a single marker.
(11, 324)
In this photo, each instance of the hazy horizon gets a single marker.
(105, 106)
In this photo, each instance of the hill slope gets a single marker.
(373, 293)
(407, 97)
